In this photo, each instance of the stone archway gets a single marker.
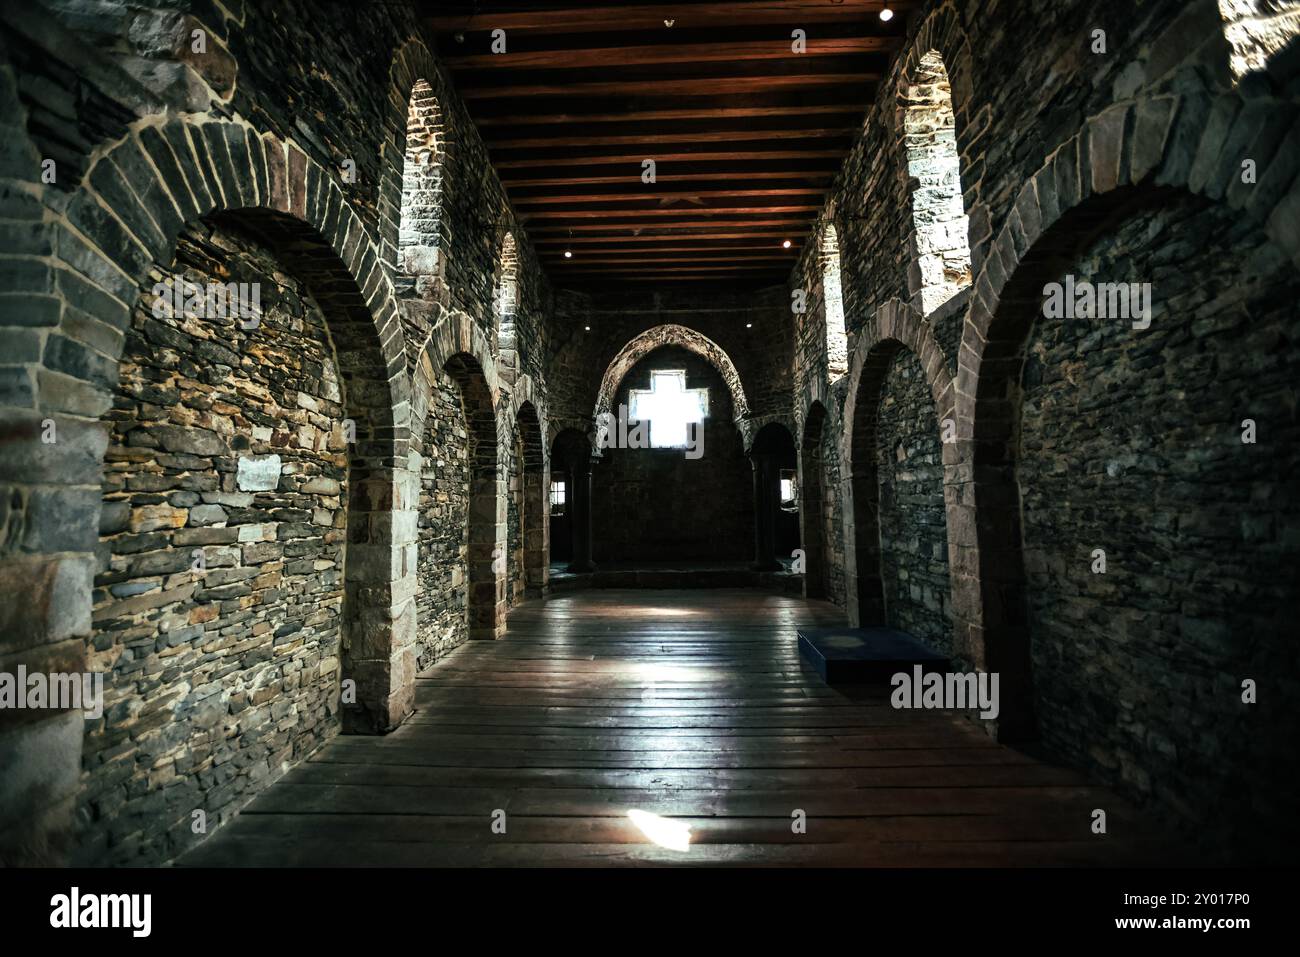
(457, 379)
(1127, 152)
(896, 327)
(674, 335)
(112, 243)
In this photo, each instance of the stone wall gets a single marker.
(150, 137)
(913, 531)
(1131, 442)
(1049, 115)
(297, 111)
(444, 519)
(752, 329)
(219, 593)
(471, 240)
(656, 504)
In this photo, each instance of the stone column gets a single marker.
(580, 517)
(536, 531)
(766, 496)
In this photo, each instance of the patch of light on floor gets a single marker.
(669, 672)
(649, 611)
(673, 835)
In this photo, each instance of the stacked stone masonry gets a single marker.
(362, 475)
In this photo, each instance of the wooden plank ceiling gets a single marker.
(745, 133)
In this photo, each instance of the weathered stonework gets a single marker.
(444, 515)
(1064, 129)
(913, 532)
(1131, 442)
(1067, 437)
(217, 610)
(657, 505)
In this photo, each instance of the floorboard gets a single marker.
(693, 705)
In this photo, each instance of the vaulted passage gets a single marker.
(489, 433)
(601, 712)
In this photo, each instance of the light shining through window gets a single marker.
(669, 407)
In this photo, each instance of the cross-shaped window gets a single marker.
(669, 406)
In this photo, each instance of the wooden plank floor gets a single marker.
(692, 705)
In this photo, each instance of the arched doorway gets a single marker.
(249, 439)
(485, 561)
(570, 501)
(774, 467)
(1118, 461)
(899, 512)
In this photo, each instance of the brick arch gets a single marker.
(1130, 154)
(943, 32)
(896, 326)
(124, 222)
(815, 390)
(674, 335)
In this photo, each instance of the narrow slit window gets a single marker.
(934, 169)
(507, 294)
(837, 340)
(420, 221)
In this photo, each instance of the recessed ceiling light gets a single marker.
(786, 244)
(886, 14)
(568, 254)
(749, 325)
(588, 328)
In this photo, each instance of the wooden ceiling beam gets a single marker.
(571, 58)
(560, 139)
(651, 17)
(648, 193)
(563, 110)
(716, 240)
(791, 222)
(568, 214)
(767, 250)
(666, 263)
(668, 154)
(676, 86)
(578, 178)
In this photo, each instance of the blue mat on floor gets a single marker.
(857, 655)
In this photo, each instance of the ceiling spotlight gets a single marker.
(786, 244)
(669, 23)
(886, 14)
(588, 328)
(568, 254)
(749, 325)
